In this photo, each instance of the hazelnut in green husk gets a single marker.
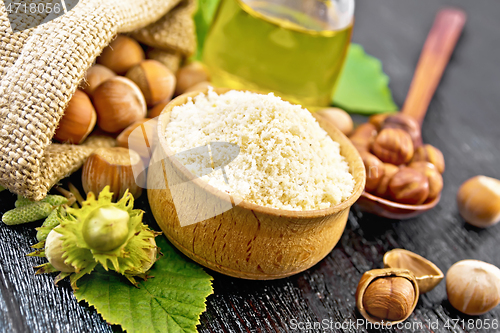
(101, 233)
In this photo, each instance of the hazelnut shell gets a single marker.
(473, 286)
(122, 54)
(155, 80)
(427, 274)
(78, 121)
(478, 201)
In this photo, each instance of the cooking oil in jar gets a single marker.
(293, 48)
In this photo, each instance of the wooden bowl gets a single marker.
(248, 241)
(382, 207)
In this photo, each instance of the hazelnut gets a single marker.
(190, 75)
(140, 137)
(374, 171)
(393, 145)
(114, 167)
(378, 120)
(122, 54)
(96, 75)
(409, 186)
(388, 295)
(363, 136)
(406, 123)
(78, 120)
(473, 286)
(431, 154)
(202, 86)
(119, 103)
(155, 80)
(478, 201)
(339, 118)
(383, 187)
(157, 109)
(433, 176)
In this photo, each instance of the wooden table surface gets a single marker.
(463, 121)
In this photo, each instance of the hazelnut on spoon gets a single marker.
(395, 149)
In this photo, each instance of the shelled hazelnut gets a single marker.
(393, 145)
(430, 154)
(387, 295)
(363, 136)
(339, 118)
(382, 189)
(122, 54)
(119, 103)
(155, 80)
(375, 170)
(433, 176)
(473, 286)
(409, 186)
(406, 123)
(378, 120)
(78, 120)
(478, 201)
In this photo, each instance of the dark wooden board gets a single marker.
(462, 121)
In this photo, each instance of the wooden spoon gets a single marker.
(435, 55)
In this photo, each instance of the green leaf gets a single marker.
(203, 19)
(363, 87)
(171, 301)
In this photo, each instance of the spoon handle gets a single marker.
(433, 60)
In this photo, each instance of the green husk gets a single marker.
(127, 259)
(52, 221)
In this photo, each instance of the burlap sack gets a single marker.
(41, 68)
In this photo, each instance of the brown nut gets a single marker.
(140, 137)
(433, 176)
(374, 171)
(378, 120)
(430, 154)
(202, 86)
(157, 109)
(387, 295)
(409, 186)
(155, 80)
(190, 75)
(122, 54)
(78, 120)
(119, 103)
(393, 145)
(406, 123)
(114, 167)
(478, 201)
(363, 136)
(96, 75)
(383, 187)
(473, 286)
(427, 274)
(339, 118)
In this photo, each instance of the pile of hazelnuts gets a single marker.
(399, 167)
(126, 87)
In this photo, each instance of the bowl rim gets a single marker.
(386, 202)
(344, 142)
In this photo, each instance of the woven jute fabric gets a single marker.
(40, 69)
(171, 59)
(175, 31)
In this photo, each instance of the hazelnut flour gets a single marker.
(286, 160)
